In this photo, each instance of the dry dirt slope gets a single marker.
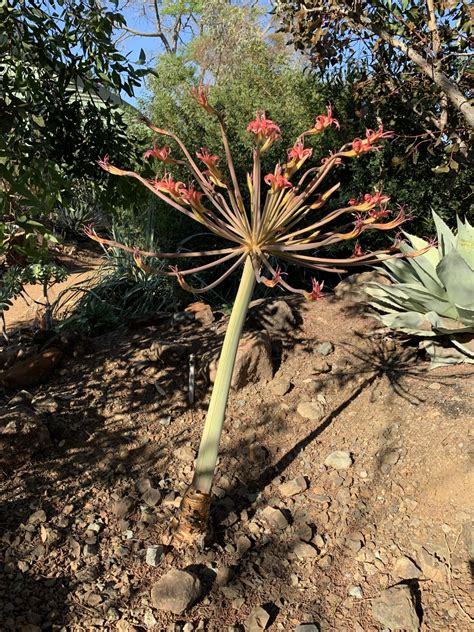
(78, 519)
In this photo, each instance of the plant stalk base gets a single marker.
(193, 521)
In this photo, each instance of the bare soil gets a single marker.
(409, 489)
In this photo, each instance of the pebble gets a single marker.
(176, 591)
(151, 497)
(405, 568)
(257, 620)
(123, 507)
(339, 460)
(154, 555)
(280, 386)
(37, 516)
(395, 609)
(274, 517)
(185, 453)
(307, 627)
(305, 551)
(314, 411)
(293, 487)
(325, 348)
(356, 592)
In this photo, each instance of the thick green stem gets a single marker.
(209, 447)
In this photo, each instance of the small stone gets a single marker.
(165, 421)
(154, 555)
(339, 460)
(307, 627)
(237, 603)
(293, 487)
(20, 399)
(395, 609)
(176, 591)
(202, 312)
(185, 453)
(224, 575)
(45, 404)
(243, 544)
(305, 551)
(257, 620)
(405, 568)
(90, 550)
(356, 592)
(151, 497)
(123, 507)
(280, 386)
(314, 411)
(37, 516)
(325, 348)
(149, 618)
(275, 518)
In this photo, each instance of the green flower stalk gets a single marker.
(283, 221)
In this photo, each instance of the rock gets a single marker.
(224, 575)
(202, 312)
(405, 568)
(280, 386)
(356, 592)
(151, 497)
(274, 517)
(45, 404)
(339, 460)
(123, 507)
(293, 487)
(276, 317)
(170, 353)
(253, 362)
(351, 288)
(176, 591)
(324, 348)
(431, 559)
(395, 609)
(185, 453)
(257, 620)
(22, 398)
(154, 554)
(33, 370)
(387, 459)
(149, 618)
(305, 551)
(257, 453)
(22, 434)
(307, 627)
(37, 517)
(314, 411)
(320, 365)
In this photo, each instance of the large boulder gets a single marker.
(352, 287)
(253, 362)
(22, 434)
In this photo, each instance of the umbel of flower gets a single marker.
(284, 222)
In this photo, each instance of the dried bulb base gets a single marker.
(193, 520)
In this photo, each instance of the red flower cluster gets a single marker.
(266, 131)
(162, 154)
(277, 180)
(323, 121)
(362, 146)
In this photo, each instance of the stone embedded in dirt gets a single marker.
(168, 352)
(388, 458)
(307, 627)
(405, 568)
(305, 551)
(295, 486)
(253, 362)
(432, 559)
(202, 312)
(151, 497)
(149, 618)
(395, 609)
(274, 517)
(37, 516)
(280, 386)
(22, 434)
(185, 453)
(176, 591)
(154, 554)
(257, 620)
(33, 370)
(224, 575)
(45, 404)
(324, 348)
(257, 453)
(123, 507)
(356, 592)
(314, 411)
(339, 460)
(351, 288)
(319, 364)
(243, 544)
(276, 317)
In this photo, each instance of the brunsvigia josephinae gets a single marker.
(284, 221)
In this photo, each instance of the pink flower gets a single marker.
(316, 291)
(362, 146)
(192, 197)
(369, 201)
(211, 161)
(201, 95)
(277, 181)
(358, 252)
(276, 279)
(162, 154)
(168, 185)
(297, 155)
(266, 131)
(323, 121)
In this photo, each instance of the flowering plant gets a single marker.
(282, 222)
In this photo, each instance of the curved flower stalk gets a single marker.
(282, 222)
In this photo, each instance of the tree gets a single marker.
(417, 48)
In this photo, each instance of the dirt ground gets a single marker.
(80, 563)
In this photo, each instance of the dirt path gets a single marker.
(83, 265)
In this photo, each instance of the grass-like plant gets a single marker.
(283, 221)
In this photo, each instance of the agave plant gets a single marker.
(432, 296)
(282, 221)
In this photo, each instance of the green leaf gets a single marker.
(458, 279)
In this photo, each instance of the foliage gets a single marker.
(418, 50)
(432, 296)
(83, 207)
